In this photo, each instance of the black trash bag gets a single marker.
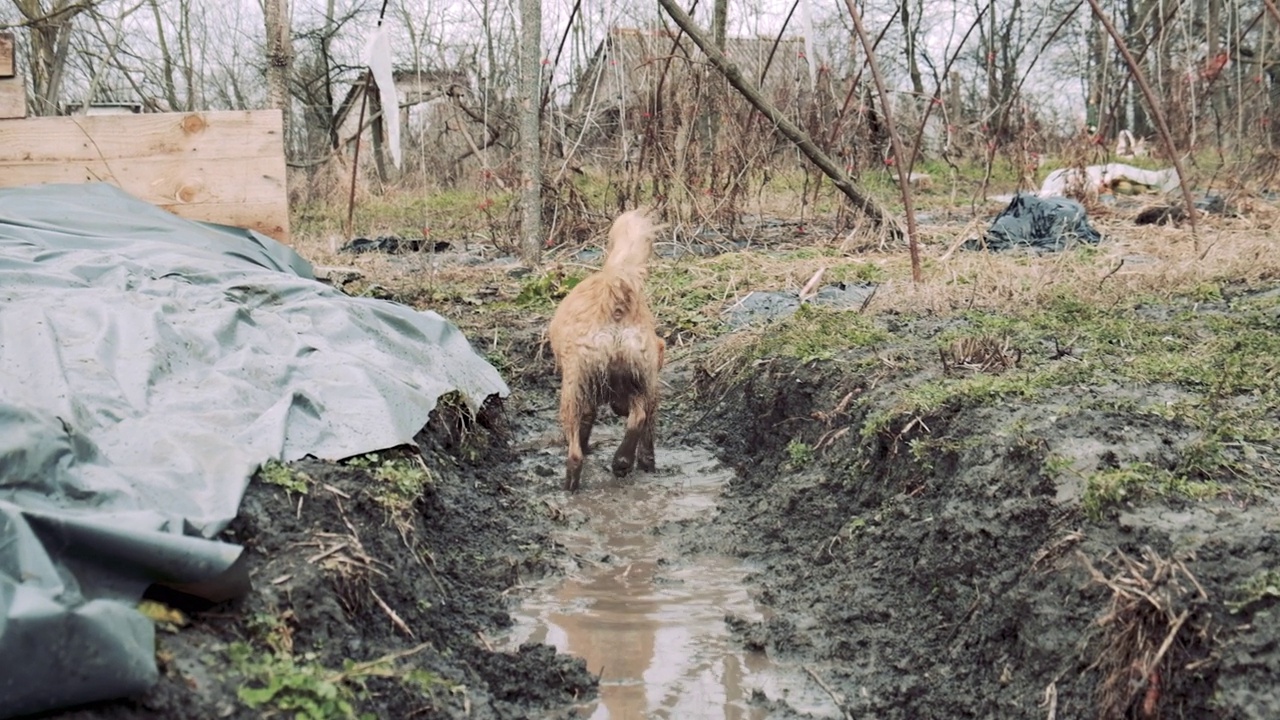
(1049, 224)
(392, 245)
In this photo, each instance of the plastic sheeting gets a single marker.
(1041, 223)
(148, 365)
(1106, 178)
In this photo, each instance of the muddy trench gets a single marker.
(650, 620)
(940, 568)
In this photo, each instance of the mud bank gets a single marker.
(372, 598)
(942, 564)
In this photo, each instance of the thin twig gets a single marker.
(320, 556)
(395, 619)
(1111, 272)
(901, 159)
(1168, 642)
(836, 698)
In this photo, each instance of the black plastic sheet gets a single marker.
(1050, 224)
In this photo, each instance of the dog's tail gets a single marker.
(631, 243)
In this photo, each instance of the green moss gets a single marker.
(1141, 481)
(399, 482)
(1265, 584)
(815, 333)
(799, 454)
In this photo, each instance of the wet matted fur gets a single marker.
(604, 339)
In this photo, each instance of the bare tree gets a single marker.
(279, 52)
(530, 129)
(50, 27)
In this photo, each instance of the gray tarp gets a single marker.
(1049, 224)
(148, 365)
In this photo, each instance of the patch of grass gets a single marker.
(441, 213)
(299, 685)
(1221, 354)
(933, 396)
(814, 333)
(1265, 584)
(1138, 481)
(799, 454)
(682, 300)
(274, 472)
(542, 292)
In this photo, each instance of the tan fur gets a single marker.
(604, 339)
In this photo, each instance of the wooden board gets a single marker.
(13, 98)
(6, 55)
(223, 167)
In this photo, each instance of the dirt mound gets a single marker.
(955, 563)
(377, 584)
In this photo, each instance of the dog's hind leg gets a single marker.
(625, 457)
(587, 420)
(644, 454)
(572, 404)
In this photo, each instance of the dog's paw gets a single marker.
(621, 465)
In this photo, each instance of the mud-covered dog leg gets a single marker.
(625, 458)
(644, 454)
(571, 407)
(585, 424)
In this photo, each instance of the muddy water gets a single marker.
(649, 622)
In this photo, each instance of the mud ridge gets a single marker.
(396, 611)
(939, 568)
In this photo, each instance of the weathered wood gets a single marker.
(6, 55)
(231, 134)
(224, 167)
(13, 98)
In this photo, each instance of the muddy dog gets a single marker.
(608, 350)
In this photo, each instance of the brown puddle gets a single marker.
(650, 622)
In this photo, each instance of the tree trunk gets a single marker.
(719, 23)
(50, 30)
(1139, 124)
(913, 67)
(1213, 35)
(166, 60)
(530, 127)
(279, 60)
(1097, 101)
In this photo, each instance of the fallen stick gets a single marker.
(395, 619)
(790, 130)
(836, 698)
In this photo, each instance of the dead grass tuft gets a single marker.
(1152, 632)
(983, 353)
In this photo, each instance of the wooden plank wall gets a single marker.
(6, 55)
(13, 92)
(225, 167)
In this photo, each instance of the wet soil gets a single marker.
(938, 569)
(331, 568)
(959, 577)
